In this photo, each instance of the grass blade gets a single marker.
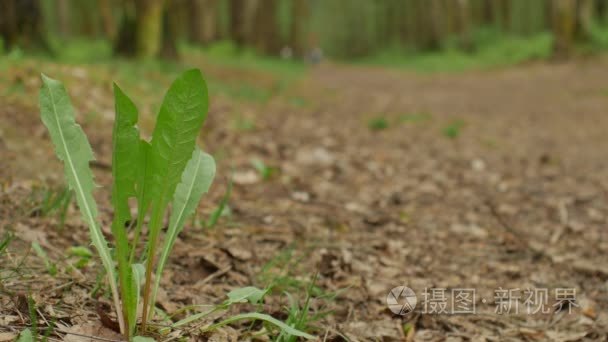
(178, 123)
(72, 147)
(267, 318)
(50, 267)
(196, 180)
(217, 213)
(125, 147)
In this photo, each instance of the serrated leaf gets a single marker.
(50, 267)
(196, 180)
(125, 152)
(72, 147)
(179, 121)
(246, 294)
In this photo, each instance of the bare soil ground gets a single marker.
(515, 200)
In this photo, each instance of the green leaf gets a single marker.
(143, 198)
(246, 294)
(50, 266)
(138, 274)
(144, 165)
(194, 317)
(143, 339)
(25, 336)
(80, 251)
(72, 147)
(222, 208)
(267, 318)
(125, 151)
(179, 121)
(196, 180)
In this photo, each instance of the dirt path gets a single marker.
(515, 199)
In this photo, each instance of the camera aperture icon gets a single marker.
(401, 300)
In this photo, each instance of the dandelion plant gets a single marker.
(168, 170)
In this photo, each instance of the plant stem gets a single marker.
(124, 273)
(121, 321)
(155, 224)
(141, 214)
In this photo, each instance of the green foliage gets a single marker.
(453, 129)
(251, 295)
(169, 168)
(229, 54)
(493, 50)
(265, 171)
(80, 50)
(196, 180)
(50, 201)
(244, 124)
(26, 336)
(378, 124)
(5, 242)
(31, 308)
(83, 254)
(72, 147)
(285, 329)
(50, 266)
(143, 339)
(222, 209)
(299, 316)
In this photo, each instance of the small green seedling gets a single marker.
(82, 254)
(6, 240)
(244, 124)
(378, 124)
(248, 294)
(453, 130)
(50, 266)
(168, 169)
(50, 201)
(265, 171)
(222, 209)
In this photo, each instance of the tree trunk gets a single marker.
(170, 31)
(149, 15)
(563, 26)
(107, 19)
(238, 32)
(124, 45)
(264, 29)
(203, 21)
(585, 18)
(63, 18)
(297, 31)
(21, 24)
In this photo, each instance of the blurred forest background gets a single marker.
(384, 31)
